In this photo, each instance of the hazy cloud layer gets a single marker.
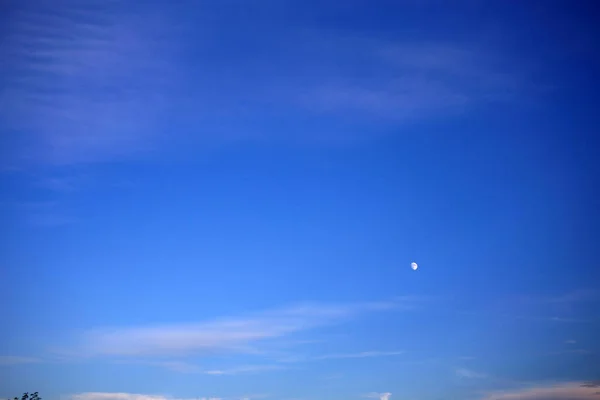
(90, 82)
(566, 391)
(118, 396)
(137, 396)
(193, 368)
(226, 334)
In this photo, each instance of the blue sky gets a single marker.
(222, 199)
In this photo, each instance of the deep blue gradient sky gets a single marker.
(222, 199)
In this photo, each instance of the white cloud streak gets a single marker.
(380, 396)
(176, 366)
(245, 369)
(364, 354)
(192, 368)
(565, 391)
(225, 334)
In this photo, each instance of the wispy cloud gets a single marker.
(191, 368)
(468, 373)
(12, 360)
(571, 351)
(577, 296)
(534, 318)
(58, 184)
(401, 99)
(364, 354)
(569, 307)
(565, 391)
(570, 298)
(225, 334)
(245, 369)
(333, 356)
(380, 396)
(591, 384)
(90, 81)
(99, 83)
(176, 366)
(417, 78)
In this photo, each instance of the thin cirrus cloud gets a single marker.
(226, 334)
(85, 78)
(418, 79)
(14, 360)
(563, 391)
(176, 366)
(282, 364)
(469, 374)
(364, 354)
(578, 296)
(244, 369)
(99, 83)
(570, 298)
(191, 368)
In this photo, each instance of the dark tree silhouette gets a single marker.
(27, 396)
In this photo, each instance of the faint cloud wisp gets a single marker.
(223, 335)
(87, 84)
(470, 374)
(364, 354)
(564, 391)
(380, 396)
(84, 79)
(13, 360)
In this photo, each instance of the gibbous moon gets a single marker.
(414, 266)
